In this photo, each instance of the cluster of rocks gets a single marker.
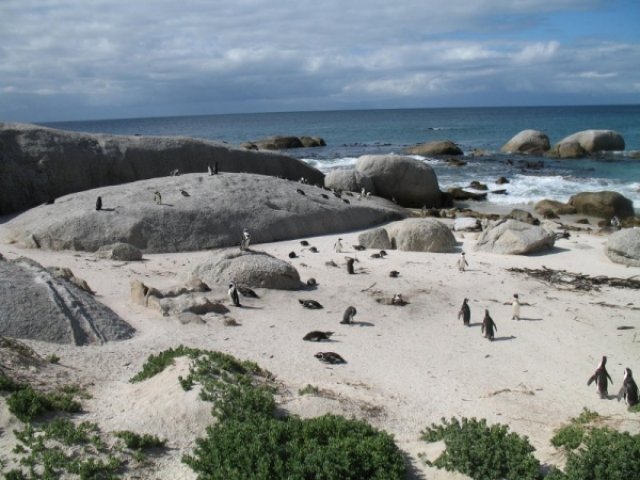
(52, 305)
(42, 164)
(284, 143)
(604, 204)
(577, 145)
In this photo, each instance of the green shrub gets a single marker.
(53, 358)
(483, 452)
(607, 455)
(157, 363)
(571, 436)
(27, 404)
(135, 441)
(309, 390)
(7, 384)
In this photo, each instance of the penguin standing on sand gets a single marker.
(462, 262)
(338, 246)
(210, 170)
(629, 390)
(233, 294)
(515, 307)
(245, 240)
(157, 197)
(600, 376)
(350, 261)
(348, 315)
(465, 312)
(99, 203)
(488, 326)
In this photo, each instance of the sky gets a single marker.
(94, 59)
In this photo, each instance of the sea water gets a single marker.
(480, 132)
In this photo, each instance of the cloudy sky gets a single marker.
(94, 59)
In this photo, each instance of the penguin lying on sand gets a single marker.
(317, 336)
(311, 304)
(330, 357)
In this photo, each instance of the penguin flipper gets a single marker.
(592, 379)
(622, 393)
(610, 379)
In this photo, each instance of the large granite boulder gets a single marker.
(624, 247)
(437, 148)
(532, 142)
(250, 268)
(411, 182)
(511, 237)
(349, 180)
(466, 224)
(602, 204)
(421, 235)
(40, 164)
(567, 150)
(120, 251)
(38, 305)
(559, 208)
(196, 212)
(279, 142)
(375, 238)
(592, 141)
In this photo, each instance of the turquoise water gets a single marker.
(350, 134)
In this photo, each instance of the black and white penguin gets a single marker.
(99, 203)
(348, 315)
(325, 196)
(345, 200)
(184, 193)
(488, 326)
(394, 273)
(515, 308)
(337, 247)
(293, 255)
(465, 312)
(330, 357)
(246, 292)
(359, 247)
(350, 269)
(310, 304)
(629, 390)
(304, 243)
(233, 294)
(210, 170)
(312, 282)
(300, 191)
(215, 168)
(245, 241)
(317, 336)
(157, 197)
(600, 376)
(313, 249)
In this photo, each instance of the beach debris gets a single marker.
(577, 281)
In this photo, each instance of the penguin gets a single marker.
(398, 300)
(184, 193)
(157, 198)
(317, 336)
(233, 294)
(312, 282)
(346, 201)
(330, 357)
(350, 265)
(359, 247)
(465, 312)
(313, 249)
(462, 262)
(215, 168)
(337, 194)
(488, 326)
(300, 191)
(325, 196)
(600, 376)
(99, 203)
(394, 273)
(210, 170)
(515, 308)
(245, 240)
(304, 243)
(348, 315)
(376, 255)
(293, 255)
(246, 292)
(629, 390)
(338, 246)
(310, 304)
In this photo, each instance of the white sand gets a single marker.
(410, 367)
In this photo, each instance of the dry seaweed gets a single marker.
(577, 281)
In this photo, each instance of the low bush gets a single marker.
(135, 441)
(483, 452)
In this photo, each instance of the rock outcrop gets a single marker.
(410, 182)
(120, 251)
(419, 235)
(602, 204)
(251, 268)
(511, 237)
(196, 212)
(41, 164)
(435, 149)
(349, 180)
(284, 143)
(624, 247)
(467, 224)
(39, 305)
(532, 142)
(375, 238)
(558, 208)
(590, 141)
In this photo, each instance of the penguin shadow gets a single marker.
(475, 324)
(502, 339)
(249, 307)
(103, 209)
(359, 323)
(162, 204)
(528, 319)
(550, 251)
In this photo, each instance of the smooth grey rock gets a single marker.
(213, 215)
(411, 182)
(251, 268)
(596, 140)
(624, 247)
(36, 305)
(280, 142)
(554, 206)
(466, 224)
(375, 238)
(523, 216)
(120, 251)
(39, 164)
(511, 237)
(437, 148)
(567, 150)
(527, 141)
(602, 204)
(349, 180)
(421, 235)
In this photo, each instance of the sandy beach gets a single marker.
(406, 366)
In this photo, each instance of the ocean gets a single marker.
(352, 133)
